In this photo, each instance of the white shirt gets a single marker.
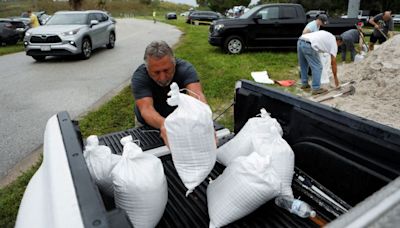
(321, 41)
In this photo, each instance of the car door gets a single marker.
(95, 31)
(263, 31)
(290, 26)
(103, 25)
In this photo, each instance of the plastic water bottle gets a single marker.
(295, 206)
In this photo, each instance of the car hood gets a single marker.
(54, 29)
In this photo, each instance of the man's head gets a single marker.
(387, 15)
(160, 62)
(339, 40)
(323, 19)
(29, 12)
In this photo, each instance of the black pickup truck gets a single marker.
(345, 168)
(268, 26)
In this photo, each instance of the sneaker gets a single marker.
(305, 87)
(318, 91)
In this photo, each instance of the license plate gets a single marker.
(45, 48)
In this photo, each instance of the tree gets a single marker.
(222, 5)
(75, 4)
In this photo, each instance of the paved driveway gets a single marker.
(31, 92)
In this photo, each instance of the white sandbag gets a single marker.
(100, 161)
(326, 67)
(140, 186)
(191, 138)
(241, 144)
(281, 159)
(246, 184)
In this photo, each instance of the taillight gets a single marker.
(8, 25)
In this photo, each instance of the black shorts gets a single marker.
(374, 38)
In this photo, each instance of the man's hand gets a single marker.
(336, 81)
(377, 26)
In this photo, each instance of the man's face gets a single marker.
(386, 15)
(161, 70)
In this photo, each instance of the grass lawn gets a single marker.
(218, 73)
(8, 49)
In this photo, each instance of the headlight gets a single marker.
(70, 33)
(218, 27)
(28, 34)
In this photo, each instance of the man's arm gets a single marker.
(334, 70)
(151, 116)
(372, 22)
(197, 91)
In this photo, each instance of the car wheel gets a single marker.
(86, 49)
(111, 40)
(233, 45)
(39, 58)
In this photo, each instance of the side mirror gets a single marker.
(257, 17)
(93, 22)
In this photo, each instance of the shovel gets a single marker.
(337, 88)
(351, 90)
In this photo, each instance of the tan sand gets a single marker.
(377, 85)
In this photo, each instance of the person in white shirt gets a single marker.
(309, 46)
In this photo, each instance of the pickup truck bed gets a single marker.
(341, 159)
(192, 211)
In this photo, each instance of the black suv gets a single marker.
(202, 16)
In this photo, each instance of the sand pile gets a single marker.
(377, 85)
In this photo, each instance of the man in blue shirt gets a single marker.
(315, 25)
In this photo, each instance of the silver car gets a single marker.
(71, 33)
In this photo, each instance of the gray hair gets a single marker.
(158, 49)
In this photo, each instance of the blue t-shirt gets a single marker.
(312, 25)
(144, 86)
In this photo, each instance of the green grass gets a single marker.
(8, 49)
(11, 195)
(218, 73)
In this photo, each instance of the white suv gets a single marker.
(71, 33)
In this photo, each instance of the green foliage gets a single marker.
(11, 196)
(222, 5)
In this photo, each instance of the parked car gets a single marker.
(8, 32)
(184, 14)
(19, 25)
(70, 33)
(270, 26)
(170, 15)
(203, 17)
(314, 13)
(396, 18)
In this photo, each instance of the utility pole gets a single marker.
(353, 8)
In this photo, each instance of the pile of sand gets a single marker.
(377, 85)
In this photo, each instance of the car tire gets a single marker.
(39, 58)
(233, 45)
(111, 40)
(86, 48)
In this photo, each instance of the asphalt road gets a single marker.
(31, 92)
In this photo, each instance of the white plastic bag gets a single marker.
(281, 159)
(100, 161)
(191, 138)
(140, 186)
(241, 144)
(246, 184)
(326, 67)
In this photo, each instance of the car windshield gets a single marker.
(250, 12)
(68, 19)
